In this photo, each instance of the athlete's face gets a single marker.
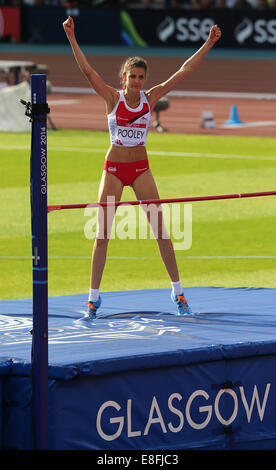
(135, 78)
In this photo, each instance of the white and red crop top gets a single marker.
(129, 126)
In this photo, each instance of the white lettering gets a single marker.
(154, 416)
(130, 433)
(90, 228)
(194, 25)
(111, 460)
(266, 31)
(205, 27)
(126, 227)
(120, 420)
(184, 236)
(261, 36)
(158, 419)
(226, 422)
(202, 409)
(193, 29)
(271, 28)
(255, 397)
(43, 161)
(175, 411)
(181, 25)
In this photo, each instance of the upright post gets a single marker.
(38, 188)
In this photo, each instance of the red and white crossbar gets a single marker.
(58, 207)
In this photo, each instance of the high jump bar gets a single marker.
(58, 207)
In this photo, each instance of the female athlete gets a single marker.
(126, 163)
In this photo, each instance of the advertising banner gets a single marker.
(10, 24)
(164, 28)
(43, 25)
(186, 28)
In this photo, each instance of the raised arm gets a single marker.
(155, 93)
(108, 93)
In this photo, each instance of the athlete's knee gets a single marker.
(101, 242)
(161, 233)
(103, 231)
(158, 227)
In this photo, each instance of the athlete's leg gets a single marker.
(145, 188)
(109, 186)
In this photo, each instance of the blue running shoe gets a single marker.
(182, 304)
(93, 307)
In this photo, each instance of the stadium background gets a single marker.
(240, 70)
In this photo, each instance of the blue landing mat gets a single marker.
(157, 380)
(141, 330)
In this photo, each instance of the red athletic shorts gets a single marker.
(127, 172)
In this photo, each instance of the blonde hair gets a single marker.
(130, 63)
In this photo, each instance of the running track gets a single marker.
(215, 74)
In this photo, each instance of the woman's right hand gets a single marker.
(68, 27)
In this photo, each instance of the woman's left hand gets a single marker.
(215, 33)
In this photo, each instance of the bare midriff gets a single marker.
(126, 154)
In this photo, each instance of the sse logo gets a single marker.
(261, 31)
(184, 29)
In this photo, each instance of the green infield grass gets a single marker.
(226, 243)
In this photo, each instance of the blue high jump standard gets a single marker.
(38, 193)
(141, 377)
